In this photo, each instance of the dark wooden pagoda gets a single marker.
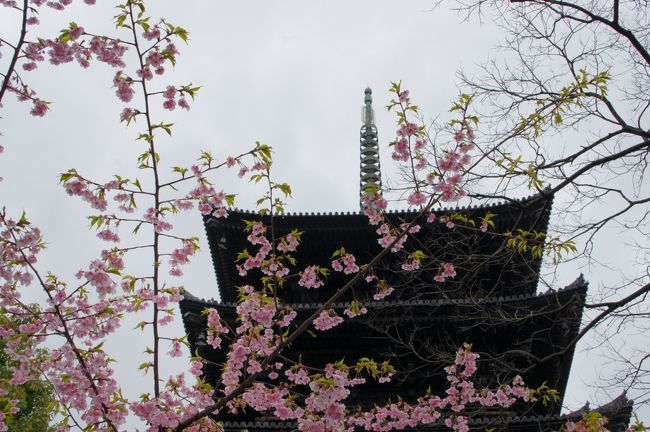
(492, 303)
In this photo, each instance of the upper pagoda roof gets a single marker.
(508, 272)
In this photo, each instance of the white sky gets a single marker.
(288, 73)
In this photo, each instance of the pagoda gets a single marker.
(492, 303)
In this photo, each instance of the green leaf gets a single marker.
(285, 188)
(68, 175)
(167, 128)
(181, 33)
(145, 366)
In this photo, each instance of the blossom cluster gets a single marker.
(374, 205)
(157, 218)
(211, 201)
(256, 237)
(430, 408)
(323, 405)
(171, 408)
(171, 95)
(346, 262)
(383, 290)
(309, 277)
(447, 271)
(81, 188)
(256, 338)
(447, 181)
(215, 328)
(355, 309)
(180, 257)
(69, 46)
(327, 319)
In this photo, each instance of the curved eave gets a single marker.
(579, 286)
(618, 412)
(536, 201)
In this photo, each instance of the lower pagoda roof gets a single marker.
(509, 332)
(618, 413)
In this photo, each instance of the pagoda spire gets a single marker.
(370, 170)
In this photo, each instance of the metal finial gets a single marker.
(370, 172)
(368, 113)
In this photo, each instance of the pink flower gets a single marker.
(76, 32)
(215, 328)
(411, 265)
(184, 204)
(108, 235)
(170, 92)
(123, 84)
(446, 271)
(407, 129)
(416, 198)
(169, 104)
(145, 73)
(383, 291)
(347, 264)
(128, 114)
(220, 213)
(288, 243)
(196, 368)
(309, 278)
(327, 320)
(182, 102)
(175, 351)
(355, 310)
(205, 208)
(153, 33)
(297, 376)
(39, 109)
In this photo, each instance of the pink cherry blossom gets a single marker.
(327, 319)
(39, 109)
(309, 278)
(417, 198)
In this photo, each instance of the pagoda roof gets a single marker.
(494, 325)
(191, 302)
(618, 412)
(326, 232)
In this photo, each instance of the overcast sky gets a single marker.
(288, 73)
